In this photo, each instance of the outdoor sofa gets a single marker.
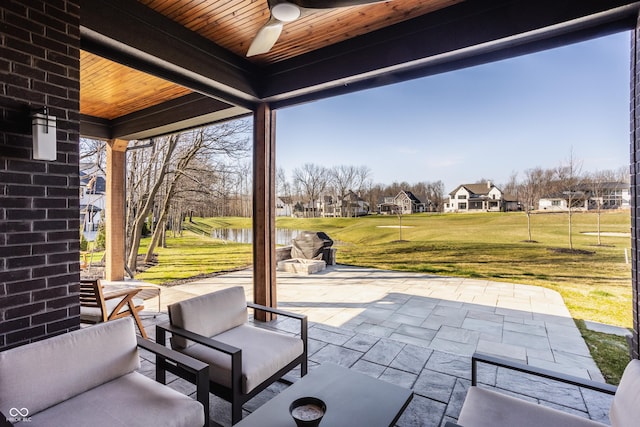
(88, 378)
(488, 408)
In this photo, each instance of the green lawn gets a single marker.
(194, 255)
(594, 282)
(595, 285)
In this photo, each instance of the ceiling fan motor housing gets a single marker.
(285, 12)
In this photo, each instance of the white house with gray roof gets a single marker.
(483, 197)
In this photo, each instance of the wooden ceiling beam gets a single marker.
(463, 35)
(132, 34)
(182, 113)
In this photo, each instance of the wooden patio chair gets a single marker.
(96, 307)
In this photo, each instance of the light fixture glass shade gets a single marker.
(44, 137)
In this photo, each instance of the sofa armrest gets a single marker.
(172, 355)
(176, 362)
(540, 372)
(451, 424)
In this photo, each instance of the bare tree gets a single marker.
(183, 160)
(168, 168)
(529, 193)
(435, 195)
(373, 193)
(283, 186)
(93, 151)
(511, 187)
(144, 182)
(599, 184)
(311, 180)
(347, 178)
(571, 180)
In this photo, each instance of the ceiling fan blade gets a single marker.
(283, 11)
(265, 39)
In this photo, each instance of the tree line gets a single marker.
(204, 171)
(311, 182)
(569, 182)
(207, 172)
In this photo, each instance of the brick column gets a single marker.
(635, 194)
(114, 210)
(39, 200)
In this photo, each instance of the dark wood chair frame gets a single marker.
(198, 370)
(92, 295)
(232, 394)
(532, 370)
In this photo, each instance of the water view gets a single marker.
(244, 235)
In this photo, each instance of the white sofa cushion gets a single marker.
(209, 314)
(487, 408)
(264, 352)
(42, 374)
(625, 408)
(94, 314)
(130, 400)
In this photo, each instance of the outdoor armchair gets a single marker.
(89, 377)
(97, 307)
(243, 358)
(487, 408)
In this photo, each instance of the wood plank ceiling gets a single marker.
(233, 24)
(151, 66)
(110, 90)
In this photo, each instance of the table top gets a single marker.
(352, 399)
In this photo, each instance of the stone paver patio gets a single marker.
(419, 331)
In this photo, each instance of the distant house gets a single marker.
(483, 197)
(405, 202)
(610, 195)
(327, 207)
(284, 206)
(614, 195)
(351, 205)
(92, 197)
(354, 205)
(560, 201)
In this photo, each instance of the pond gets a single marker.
(244, 235)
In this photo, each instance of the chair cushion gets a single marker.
(42, 374)
(487, 408)
(625, 408)
(94, 314)
(209, 314)
(130, 400)
(264, 353)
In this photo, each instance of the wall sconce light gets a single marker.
(44, 135)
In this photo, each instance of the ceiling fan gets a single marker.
(284, 11)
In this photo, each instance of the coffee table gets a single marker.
(352, 399)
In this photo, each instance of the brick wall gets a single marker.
(635, 195)
(39, 200)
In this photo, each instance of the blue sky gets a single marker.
(483, 122)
